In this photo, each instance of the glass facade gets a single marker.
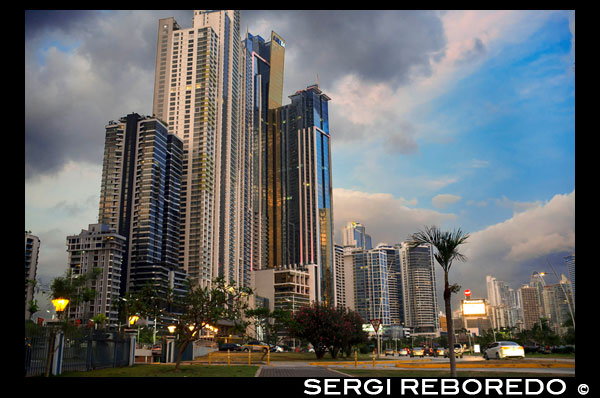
(371, 292)
(140, 198)
(298, 189)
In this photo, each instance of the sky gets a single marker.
(459, 119)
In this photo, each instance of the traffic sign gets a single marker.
(375, 323)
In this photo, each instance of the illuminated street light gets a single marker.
(133, 319)
(60, 304)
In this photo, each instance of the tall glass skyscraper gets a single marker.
(263, 64)
(298, 188)
(354, 234)
(140, 198)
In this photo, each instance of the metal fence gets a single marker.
(82, 350)
(37, 342)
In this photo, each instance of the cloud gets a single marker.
(386, 218)
(442, 200)
(72, 90)
(512, 249)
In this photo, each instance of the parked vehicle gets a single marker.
(230, 347)
(255, 346)
(403, 351)
(458, 351)
(277, 348)
(504, 349)
(390, 352)
(418, 352)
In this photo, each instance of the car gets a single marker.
(230, 347)
(503, 350)
(390, 352)
(277, 348)
(439, 351)
(417, 352)
(458, 351)
(255, 346)
(403, 351)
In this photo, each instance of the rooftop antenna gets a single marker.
(317, 79)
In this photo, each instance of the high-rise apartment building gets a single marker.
(354, 234)
(530, 307)
(557, 298)
(502, 303)
(32, 250)
(419, 295)
(98, 247)
(140, 199)
(570, 260)
(197, 91)
(341, 294)
(371, 290)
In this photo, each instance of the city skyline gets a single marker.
(468, 121)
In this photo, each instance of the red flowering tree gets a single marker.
(328, 328)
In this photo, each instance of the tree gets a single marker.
(328, 328)
(353, 333)
(446, 251)
(75, 287)
(199, 307)
(270, 323)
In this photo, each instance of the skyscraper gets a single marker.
(98, 247)
(140, 198)
(201, 69)
(530, 307)
(419, 289)
(262, 80)
(32, 250)
(371, 291)
(570, 260)
(353, 234)
(298, 188)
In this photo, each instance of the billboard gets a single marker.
(473, 307)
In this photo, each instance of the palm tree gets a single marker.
(446, 245)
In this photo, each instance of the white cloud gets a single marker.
(386, 218)
(504, 249)
(442, 200)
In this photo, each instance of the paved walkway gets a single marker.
(298, 371)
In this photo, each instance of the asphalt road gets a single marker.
(526, 366)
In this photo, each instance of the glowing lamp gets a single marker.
(133, 319)
(60, 304)
(171, 328)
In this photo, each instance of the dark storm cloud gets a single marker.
(82, 69)
(39, 21)
(390, 46)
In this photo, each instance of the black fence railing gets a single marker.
(82, 350)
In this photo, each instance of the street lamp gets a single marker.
(133, 319)
(171, 328)
(60, 304)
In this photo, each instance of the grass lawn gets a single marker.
(169, 371)
(382, 373)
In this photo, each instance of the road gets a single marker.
(336, 369)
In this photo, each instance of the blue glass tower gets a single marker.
(299, 187)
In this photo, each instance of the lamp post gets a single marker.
(60, 303)
(132, 320)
